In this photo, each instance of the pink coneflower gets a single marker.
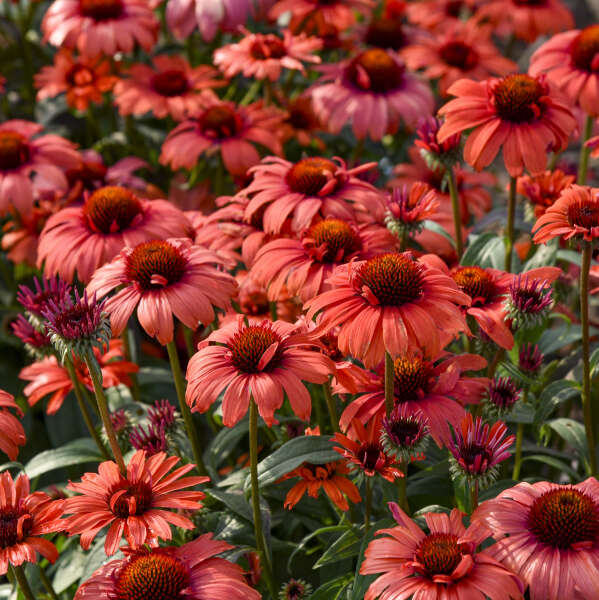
(404, 433)
(524, 114)
(553, 542)
(190, 571)
(530, 358)
(430, 14)
(23, 154)
(25, 518)
(312, 186)
(172, 87)
(131, 504)
(443, 564)
(503, 393)
(543, 190)
(82, 78)
(151, 439)
(163, 278)
(36, 342)
(80, 239)
(226, 128)
(35, 300)
(389, 303)
(100, 26)
(373, 92)
(407, 208)
(12, 434)
(260, 359)
(457, 50)
(302, 266)
(301, 123)
(528, 302)
(264, 55)
(435, 388)
(48, 376)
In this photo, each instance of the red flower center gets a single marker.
(300, 115)
(170, 83)
(310, 175)
(14, 150)
(267, 46)
(394, 279)
(155, 264)
(101, 10)
(220, 122)
(294, 590)
(475, 282)
(111, 209)
(584, 213)
(338, 237)
(369, 455)
(80, 76)
(375, 70)
(89, 173)
(454, 8)
(459, 54)
(563, 517)
(439, 554)
(404, 432)
(155, 576)
(249, 345)
(386, 33)
(529, 2)
(585, 49)
(517, 98)
(319, 472)
(135, 501)
(10, 532)
(412, 375)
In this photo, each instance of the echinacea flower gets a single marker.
(390, 303)
(300, 191)
(404, 433)
(25, 518)
(528, 302)
(171, 87)
(151, 440)
(301, 123)
(436, 154)
(35, 300)
(257, 359)
(503, 394)
(163, 278)
(543, 190)
(575, 214)
(132, 504)
(407, 209)
(80, 239)
(190, 571)
(264, 55)
(552, 538)
(48, 376)
(525, 115)
(12, 434)
(100, 26)
(373, 92)
(225, 128)
(295, 589)
(37, 343)
(430, 14)
(442, 564)
(530, 358)
(24, 152)
(82, 79)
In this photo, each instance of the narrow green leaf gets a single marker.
(77, 452)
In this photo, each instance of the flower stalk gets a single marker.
(509, 230)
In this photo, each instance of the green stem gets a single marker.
(23, 583)
(368, 503)
(331, 406)
(389, 381)
(587, 251)
(187, 417)
(258, 532)
(188, 336)
(583, 161)
(47, 584)
(273, 311)
(128, 357)
(402, 487)
(104, 414)
(68, 363)
(473, 496)
(518, 456)
(457, 217)
(509, 231)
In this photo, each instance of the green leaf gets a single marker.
(573, 433)
(552, 396)
(434, 226)
(347, 545)
(486, 250)
(332, 590)
(557, 337)
(554, 462)
(226, 440)
(545, 255)
(570, 256)
(77, 452)
(312, 535)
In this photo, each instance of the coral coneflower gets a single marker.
(436, 154)
(442, 564)
(524, 114)
(553, 537)
(575, 214)
(408, 208)
(373, 92)
(300, 191)
(264, 55)
(404, 433)
(226, 128)
(503, 394)
(430, 14)
(163, 278)
(528, 302)
(301, 123)
(80, 239)
(36, 300)
(260, 359)
(389, 303)
(190, 571)
(543, 190)
(100, 26)
(171, 87)
(132, 504)
(530, 358)
(12, 434)
(37, 343)
(295, 589)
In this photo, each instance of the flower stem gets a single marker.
(47, 584)
(23, 583)
(389, 380)
(402, 487)
(473, 496)
(258, 532)
(509, 231)
(518, 456)
(128, 356)
(368, 503)
(68, 363)
(188, 337)
(457, 217)
(331, 406)
(185, 412)
(586, 355)
(583, 161)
